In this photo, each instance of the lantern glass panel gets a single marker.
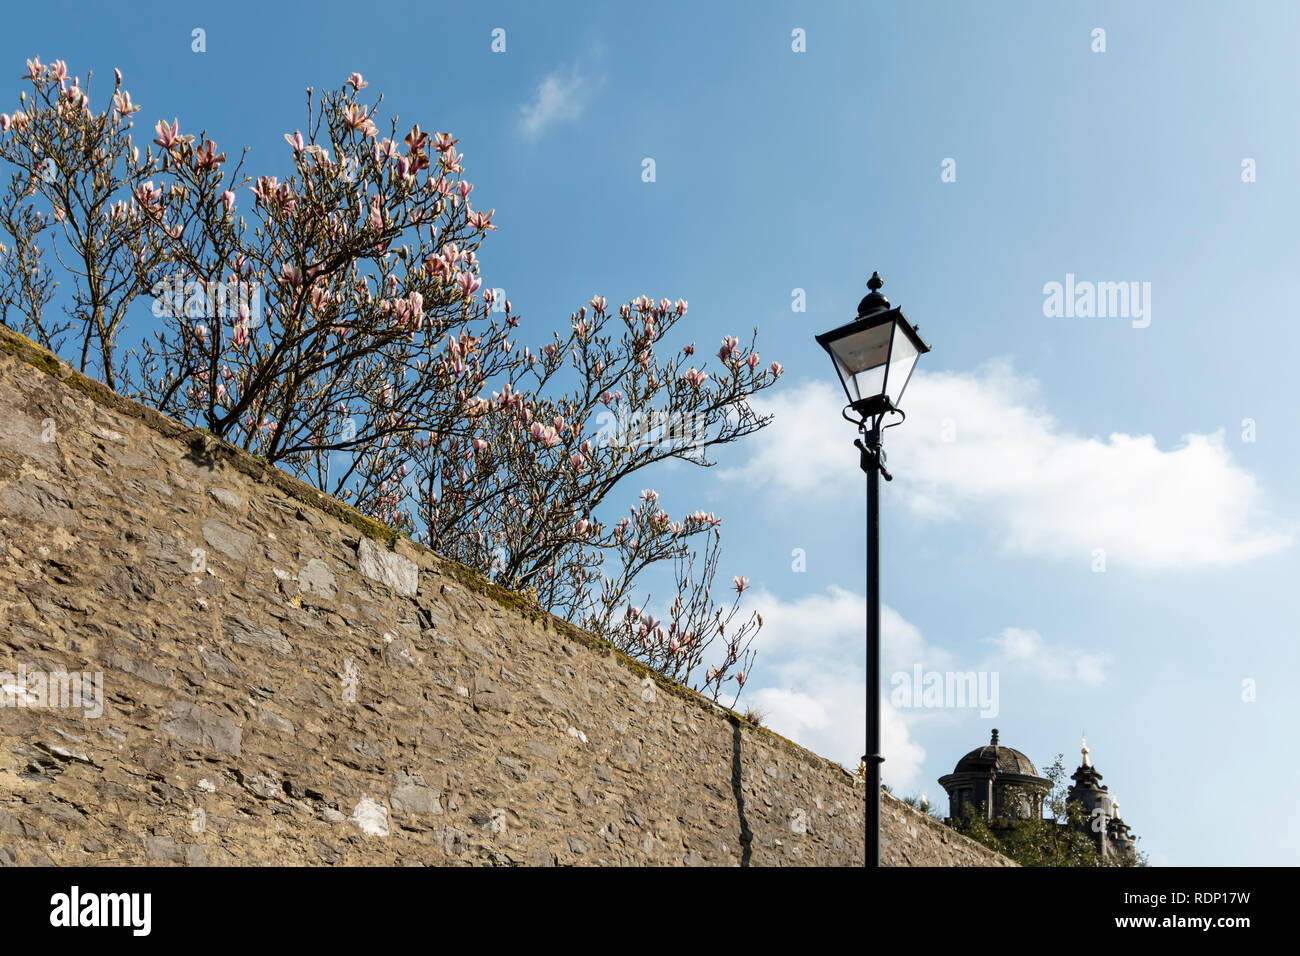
(902, 359)
(862, 358)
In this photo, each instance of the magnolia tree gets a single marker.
(332, 323)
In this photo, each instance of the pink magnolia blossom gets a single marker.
(76, 97)
(123, 106)
(228, 197)
(480, 445)
(469, 283)
(415, 140)
(435, 265)
(544, 434)
(581, 526)
(146, 194)
(729, 343)
(357, 82)
(274, 195)
(357, 118)
(753, 360)
(169, 137)
(740, 584)
(207, 158)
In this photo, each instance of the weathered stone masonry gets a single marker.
(284, 682)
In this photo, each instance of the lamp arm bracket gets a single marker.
(873, 455)
(873, 452)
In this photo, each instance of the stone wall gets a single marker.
(285, 682)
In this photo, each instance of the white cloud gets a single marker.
(1024, 648)
(812, 676)
(813, 653)
(808, 447)
(559, 98)
(902, 646)
(830, 719)
(980, 447)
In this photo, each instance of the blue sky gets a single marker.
(778, 170)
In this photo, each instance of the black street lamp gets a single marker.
(874, 356)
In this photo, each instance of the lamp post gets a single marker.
(874, 356)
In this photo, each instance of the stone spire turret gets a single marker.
(1091, 796)
(1122, 844)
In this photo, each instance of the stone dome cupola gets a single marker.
(1003, 759)
(995, 781)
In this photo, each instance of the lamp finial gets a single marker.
(873, 301)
